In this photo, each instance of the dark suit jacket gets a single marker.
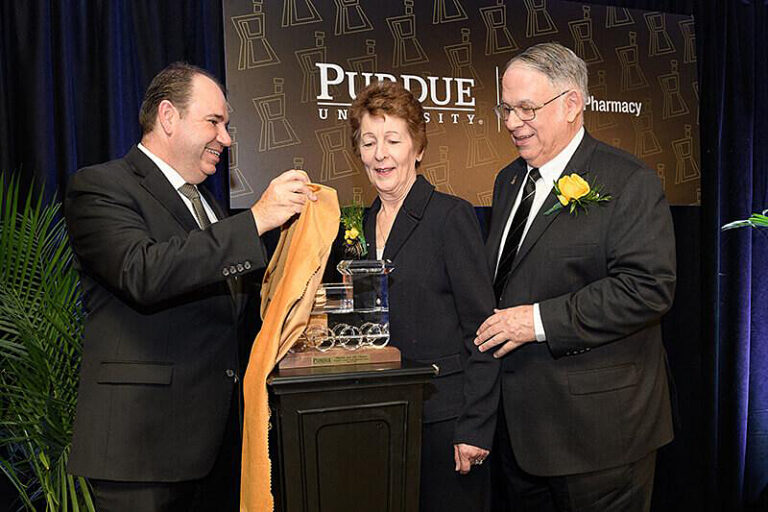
(160, 357)
(439, 293)
(595, 394)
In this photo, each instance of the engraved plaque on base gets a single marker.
(349, 322)
(339, 356)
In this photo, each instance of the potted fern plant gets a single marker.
(40, 348)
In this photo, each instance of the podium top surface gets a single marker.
(404, 370)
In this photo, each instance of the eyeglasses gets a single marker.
(502, 110)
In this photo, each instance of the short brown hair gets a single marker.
(174, 83)
(388, 98)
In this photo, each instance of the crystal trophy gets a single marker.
(349, 321)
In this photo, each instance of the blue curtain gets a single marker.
(72, 74)
(739, 119)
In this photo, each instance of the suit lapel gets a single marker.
(401, 230)
(540, 224)
(213, 203)
(579, 162)
(369, 228)
(154, 182)
(408, 217)
(405, 222)
(507, 195)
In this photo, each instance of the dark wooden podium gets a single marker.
(347, 438)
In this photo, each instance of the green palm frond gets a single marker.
(756, 220)
(40, 348)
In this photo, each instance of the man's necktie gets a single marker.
(515, 232)
(190, 192)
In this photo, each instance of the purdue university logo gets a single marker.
(445, 99)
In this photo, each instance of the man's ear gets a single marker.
(574, 104)
(167, 115)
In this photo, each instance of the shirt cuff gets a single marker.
(538, 325)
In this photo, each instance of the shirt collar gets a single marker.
(169, 172)
(552, 170)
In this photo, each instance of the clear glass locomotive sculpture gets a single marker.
(350, 315)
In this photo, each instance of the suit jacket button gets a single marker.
(247, 265)
(225, 272)
(240, 267)
(232, 269)
(230, 373)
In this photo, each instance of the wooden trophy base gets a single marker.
(339, 356)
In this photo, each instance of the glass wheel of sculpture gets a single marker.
(302, 344)
(375, 335)
(347, 336)
(320, 338)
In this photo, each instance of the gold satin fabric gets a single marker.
(292, 277)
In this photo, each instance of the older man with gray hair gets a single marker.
(582, 245)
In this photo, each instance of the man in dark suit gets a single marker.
(580, 295)
(164, 271)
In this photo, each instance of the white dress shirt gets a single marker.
(176, 182)
(550, 172)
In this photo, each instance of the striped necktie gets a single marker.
(190, 192)
(515, 233)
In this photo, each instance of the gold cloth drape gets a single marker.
(292, 277)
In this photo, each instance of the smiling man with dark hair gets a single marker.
(165, 273)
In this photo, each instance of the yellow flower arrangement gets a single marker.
(574, 193)
(350, 235)
(354, 239)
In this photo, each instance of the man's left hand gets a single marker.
(510, 328)
(466, 456)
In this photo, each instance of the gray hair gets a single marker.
(558, 63)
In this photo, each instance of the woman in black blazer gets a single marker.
(439, 293)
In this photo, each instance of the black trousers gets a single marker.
(626, 488)
(219, 491)
(442, 488)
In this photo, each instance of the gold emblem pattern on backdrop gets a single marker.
(498, 38)
(660, 42)
(299, 12)
(276, 131)
(618, 17)
(539, 22)
(254, 49)
(445, 11)
(294, 66)
(438, 173)
(407, 49)
(307, 58)
(583, 44)
(350, 18)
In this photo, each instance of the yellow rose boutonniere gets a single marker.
(573, 192)
(354, 239)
